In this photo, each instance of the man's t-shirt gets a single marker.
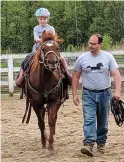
(96, 69)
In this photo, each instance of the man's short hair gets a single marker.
(100, 38)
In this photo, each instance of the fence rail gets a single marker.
(10, 71)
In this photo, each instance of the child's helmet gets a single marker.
(42, 12)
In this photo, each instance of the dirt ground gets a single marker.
(21, 142)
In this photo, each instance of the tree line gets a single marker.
(74, 21)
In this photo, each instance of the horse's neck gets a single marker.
(35, 77)
(42, 79)
(50, 79)
(48, 76)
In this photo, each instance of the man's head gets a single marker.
(94, 43)
(42, 15)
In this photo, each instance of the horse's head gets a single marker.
(50, 53)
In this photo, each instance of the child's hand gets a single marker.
(40, 40)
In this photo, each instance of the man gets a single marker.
(96, 67)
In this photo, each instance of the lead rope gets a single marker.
(117, 108)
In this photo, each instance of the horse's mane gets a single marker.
(46, 36)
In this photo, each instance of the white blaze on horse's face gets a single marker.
(49, 44)
(51, 56)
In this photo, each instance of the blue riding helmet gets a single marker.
(42, 12)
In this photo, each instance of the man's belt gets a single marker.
(96, 91)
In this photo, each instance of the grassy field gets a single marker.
(17, 63)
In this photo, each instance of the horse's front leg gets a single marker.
(40, 112)
(52, 117)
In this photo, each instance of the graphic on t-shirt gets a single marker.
(97, 67)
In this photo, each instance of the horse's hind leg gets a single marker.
(40, 112)
(52, 117)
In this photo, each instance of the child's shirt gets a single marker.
(38, 30)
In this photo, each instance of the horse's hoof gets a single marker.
(43, 146)
(50, 148)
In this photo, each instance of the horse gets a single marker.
(45, 86)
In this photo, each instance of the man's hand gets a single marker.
(40, 40)
(75, 82)
(76, 100)
(117, 95)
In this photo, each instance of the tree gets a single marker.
(74, 21)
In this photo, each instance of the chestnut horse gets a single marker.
(45, 85)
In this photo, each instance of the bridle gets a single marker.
(47, 64)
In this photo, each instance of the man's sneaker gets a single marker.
(101, 147)
(87, 149)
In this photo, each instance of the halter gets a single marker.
(44, 56)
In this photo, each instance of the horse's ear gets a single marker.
(44, 32)
(59, 41)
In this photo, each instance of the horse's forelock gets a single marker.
(48, 36)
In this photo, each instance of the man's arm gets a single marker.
(118, 81)
(75, 82)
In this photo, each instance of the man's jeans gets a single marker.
(96, 107)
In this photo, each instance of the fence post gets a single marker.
(10, 75)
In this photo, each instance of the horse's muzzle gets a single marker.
(52, 65)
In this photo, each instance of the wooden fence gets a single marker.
(10, 66)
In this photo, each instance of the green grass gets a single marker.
(17, 64)
(119, 56)
(4, 65)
